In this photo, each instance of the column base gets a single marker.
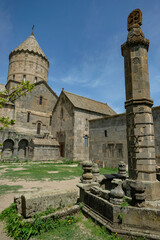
(152, 190)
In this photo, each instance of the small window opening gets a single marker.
(86, 141)
(28, 116)
(38, 128)
(40, 100)
(61, 113)
(24, 78)
(50, 121)
(35, 79)
(105, 133)
(13, 77)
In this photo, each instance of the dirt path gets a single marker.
(31, 186)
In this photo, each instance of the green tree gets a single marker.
(18, 91)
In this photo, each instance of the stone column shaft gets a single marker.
(140, 132)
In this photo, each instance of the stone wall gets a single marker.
(38, 113)
(81, 133)
(108, 142)
(8, 110)
(45, 153)
(70, 127)
(63, 125)
(156, 122)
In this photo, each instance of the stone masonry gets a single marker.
(140, 130)
(108, 140)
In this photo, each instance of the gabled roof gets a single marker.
(38, 83)
(46, 84)
(30, 45)
(89, 104)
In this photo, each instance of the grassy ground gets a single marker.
(43, 171)
(83, 229)
(6, 188)
(40, 172)
(72, 227)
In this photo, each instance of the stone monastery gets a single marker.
(48, 127)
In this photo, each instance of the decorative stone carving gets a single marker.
(122, 169)
(135, 34)
(138, 194)
(134, 18)
(87, 176)
(117, 193)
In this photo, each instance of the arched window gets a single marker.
(35, 79)
(50, 121)
(40, 100)
(24, 78)
(105, 133)
(86, 141)
(38, 128)
(28, 116)
(61, 113)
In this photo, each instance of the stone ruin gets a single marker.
(129, 205)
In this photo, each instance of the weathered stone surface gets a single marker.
(108, 214)
(108, 144)
(58, 214)
(115, 126)
(139, 121)
(28, 59)
(33, 203)
(70, 124)
(116, 193)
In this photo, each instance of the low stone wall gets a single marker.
(131, 221)
(31, 203)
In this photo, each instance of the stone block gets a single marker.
(32, 203)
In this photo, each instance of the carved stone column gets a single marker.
(140, 132)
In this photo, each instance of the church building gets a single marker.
(47, 127)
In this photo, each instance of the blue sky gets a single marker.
(82, 40)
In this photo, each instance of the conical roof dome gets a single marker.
(29, 45)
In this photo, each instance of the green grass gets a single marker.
(72, 227)
(4, 189)
(82, 229)
(108, 170)
(39, 172)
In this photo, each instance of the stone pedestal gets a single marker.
(116, 194)
(87, 176)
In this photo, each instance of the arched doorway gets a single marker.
(8, 148)
(23, 148)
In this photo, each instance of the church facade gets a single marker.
(47, 127)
